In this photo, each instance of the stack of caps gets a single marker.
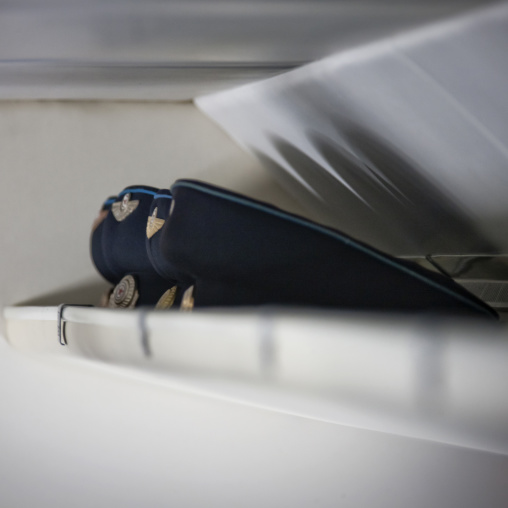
(198, 245)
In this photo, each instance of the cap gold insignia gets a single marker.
(167, 300)
(188, 299)
(121, 210)
(125, 295)
(153, 224)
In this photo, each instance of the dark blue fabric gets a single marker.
(96, 246)
(239, 251)
(118, 248)
(156, 246)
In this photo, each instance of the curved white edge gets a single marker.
(102, 317)
(439, 380)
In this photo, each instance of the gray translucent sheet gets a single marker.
(402, 143)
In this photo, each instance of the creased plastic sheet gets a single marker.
(402, 143)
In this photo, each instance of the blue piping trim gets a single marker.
(337, 236)
(109, 201)
(157, 196)
(140, 191)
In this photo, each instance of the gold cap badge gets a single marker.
(188, 300)
(167, 299)
(153, 224)
(121, 210)
(125, 295)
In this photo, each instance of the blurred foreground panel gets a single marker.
(121, 49)
(252, 408)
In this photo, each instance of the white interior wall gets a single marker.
(60, 160)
